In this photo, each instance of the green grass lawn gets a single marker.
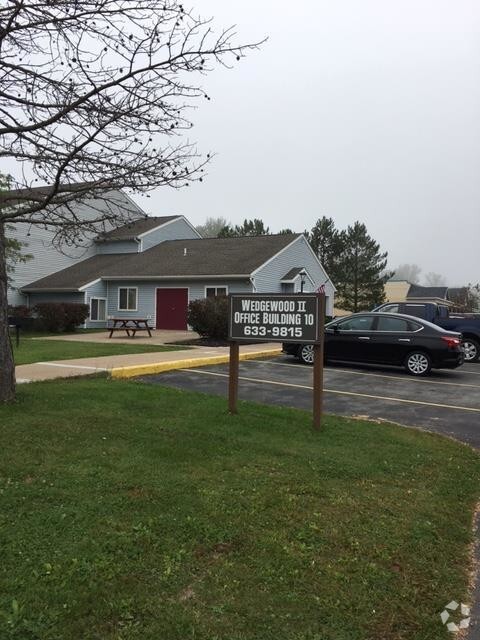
(36, 350)
(132, 511)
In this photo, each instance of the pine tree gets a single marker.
(361, 278)
(328, 244)
(253, 227)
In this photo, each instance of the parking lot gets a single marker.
(447, 402)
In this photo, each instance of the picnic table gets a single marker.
(130, 326)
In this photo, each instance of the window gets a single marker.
(390, 308)
(127, 299)
(211, 292)
(359, 323)
(418, 310)
(392, 324)
(98, 309)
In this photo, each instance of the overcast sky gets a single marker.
(363, 111)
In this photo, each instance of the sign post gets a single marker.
(233, 377)
(274, 317)
(318, 357)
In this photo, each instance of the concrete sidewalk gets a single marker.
(129, 365)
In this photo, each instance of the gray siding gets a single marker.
(146, 295)
(127, 246)
(298, 254)
(176, 230)
(47, 258)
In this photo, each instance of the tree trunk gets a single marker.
(7, 366)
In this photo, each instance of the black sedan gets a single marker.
(389, 339)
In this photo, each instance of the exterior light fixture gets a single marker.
(303, 276)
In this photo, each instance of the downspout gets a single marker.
(252, 282)
(85, 302)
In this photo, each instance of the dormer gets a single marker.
(145, 233)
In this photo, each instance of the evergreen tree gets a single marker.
(328, 244)
(253, 227)
(361, 276)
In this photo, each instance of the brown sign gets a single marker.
(275, 317)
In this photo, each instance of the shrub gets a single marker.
(19, 311)
(51, 315)
(209, 317)
(60, 316)
(75, 314)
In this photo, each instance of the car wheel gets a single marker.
(418, 363)
(305, 353)
(471, 349)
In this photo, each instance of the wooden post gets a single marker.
(318, 350)
(233, 377)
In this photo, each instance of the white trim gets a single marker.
(294, 280)
(264, 264)
(155, 301)
(84, 326)
(51, 290)
(214, 286)
(118, 299)
(328, 280)
(89, 284)
(165, 224)
(106, 309)
(312, 281)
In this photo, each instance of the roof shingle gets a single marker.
(417, 291)
(221, 257)
(134, 229)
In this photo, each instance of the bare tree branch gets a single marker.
(96, 91)
(95, 97)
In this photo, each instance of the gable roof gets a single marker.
(292, 274)
(135, 228)
(417, 291)
(193, 258)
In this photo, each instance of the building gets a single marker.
(153, 267)
(403, 291)
(38, 241)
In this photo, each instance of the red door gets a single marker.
(172, 308)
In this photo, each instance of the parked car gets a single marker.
(467, 324)
(387, 338)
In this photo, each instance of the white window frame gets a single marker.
(90, 315)
(221, 286)
(136, 299)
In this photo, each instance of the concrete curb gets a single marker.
(188, 363)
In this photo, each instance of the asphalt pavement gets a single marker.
(446, 402)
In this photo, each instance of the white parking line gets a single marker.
(72, 366)
(335, 391)
(375, 375)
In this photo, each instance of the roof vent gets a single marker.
(185, 251)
